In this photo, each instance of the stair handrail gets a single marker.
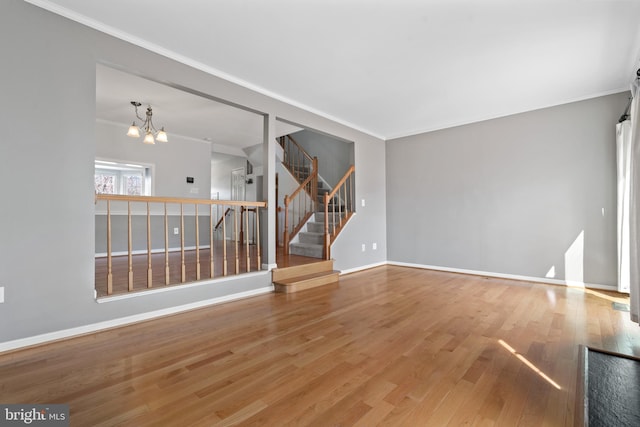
(345, 185)
(222, 217)
(295, 157)
(308, 188)
(298, 146)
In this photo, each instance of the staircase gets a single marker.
(310, 240)
(301, 277)
(305, 231)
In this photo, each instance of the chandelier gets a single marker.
(150, 132)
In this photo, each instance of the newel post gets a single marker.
(327, 236)
(286, 225)
(314, 184)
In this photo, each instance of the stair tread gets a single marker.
(299, 279)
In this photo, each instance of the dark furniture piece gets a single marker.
(608, 389)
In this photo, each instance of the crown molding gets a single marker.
(130, 38)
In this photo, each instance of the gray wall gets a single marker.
(334, 156)
(47, 150)
(120, 235)
(516, 195)
(369, 224)
(221, 167)
(173, 161)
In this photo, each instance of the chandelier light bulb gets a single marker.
(162, 135)
(148, 138)
(134, 131)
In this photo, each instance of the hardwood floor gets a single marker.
(391, 346)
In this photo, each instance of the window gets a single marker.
(122, 178)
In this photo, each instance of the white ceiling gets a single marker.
(391, 67)
(229, 129)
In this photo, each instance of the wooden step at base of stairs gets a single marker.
(301, 270)
(309, 281)
(297, 278)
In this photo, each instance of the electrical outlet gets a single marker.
(363, 203)
(176, 230)
(374, 246)
(1, 294)
(364, 247)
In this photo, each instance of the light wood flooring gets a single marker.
(391, 346)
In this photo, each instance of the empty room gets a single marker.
(407, 213)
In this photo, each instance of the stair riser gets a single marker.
(319, 217)
(300, 270)
(315, 252)
(310, 238)
(315, 227)
(338, 209)
(307, 284)
(337, 204)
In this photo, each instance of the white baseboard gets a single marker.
(568, 283)
(363, 267)
(108, 324)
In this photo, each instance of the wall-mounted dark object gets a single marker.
(190, 180)
(625, 115)
(250, 181)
